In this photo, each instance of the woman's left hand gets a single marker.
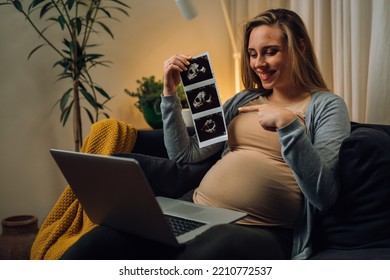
(270, 117)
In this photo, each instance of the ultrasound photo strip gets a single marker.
(204, 102)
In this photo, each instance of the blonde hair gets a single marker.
(305, 70)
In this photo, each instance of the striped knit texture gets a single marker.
(67, 221)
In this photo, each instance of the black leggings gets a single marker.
(220, 242)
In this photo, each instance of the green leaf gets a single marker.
(91, 100)
(121, 10)
(121, 3)
(34, 50)
(81, 3)
(64, 63)
(70, 4)
(88, 15)
(18, 5)
(106, 115)
(105, 11)
(102, 92)
(99, 106)
(44, 29)
(65, 113)
(105, 27)
(65, 99)
(79, 25)
(34, 4)
(90, 116)
(92, 45)
(67, 44)
(61, 21)
(47, 7)
(105, 101)
(91, 57)
(63, 76)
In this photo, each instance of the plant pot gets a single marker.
(152, 115)
(18, 235)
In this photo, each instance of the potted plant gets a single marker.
(148, 93)
(79, 21)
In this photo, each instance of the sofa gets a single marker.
(356, 227)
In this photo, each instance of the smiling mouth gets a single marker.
(266, 76)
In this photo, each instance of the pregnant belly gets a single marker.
(248, 181)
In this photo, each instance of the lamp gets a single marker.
(187, 9)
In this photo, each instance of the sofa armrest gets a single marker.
(360, 218)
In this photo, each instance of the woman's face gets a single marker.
(268, 57)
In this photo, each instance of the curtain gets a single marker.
(352, 43)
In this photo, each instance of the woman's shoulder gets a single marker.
(327, 98)
(325, 103)
(325, 95)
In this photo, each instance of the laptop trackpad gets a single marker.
(185, 209)
(205, 214)
(196, 212)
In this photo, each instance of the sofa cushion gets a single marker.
(354, 254)
(361, 216)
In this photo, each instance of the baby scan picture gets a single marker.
(203, 98)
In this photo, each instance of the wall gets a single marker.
(29, 180)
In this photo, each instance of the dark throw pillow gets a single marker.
(361, 216)
(169, 178)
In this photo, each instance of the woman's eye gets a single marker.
(271, 52)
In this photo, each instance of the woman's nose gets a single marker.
(260, 62)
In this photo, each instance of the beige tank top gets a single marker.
(253, 177)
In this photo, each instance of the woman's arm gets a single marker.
(180, 146)
(313, 156)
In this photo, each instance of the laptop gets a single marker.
(114, 192)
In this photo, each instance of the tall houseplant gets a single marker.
(79, 21)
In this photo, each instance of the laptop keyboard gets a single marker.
(180, 225)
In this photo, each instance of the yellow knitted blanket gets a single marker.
(67, 222)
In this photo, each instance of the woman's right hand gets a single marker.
(172, 68)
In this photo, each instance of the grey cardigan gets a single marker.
(311, 154)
